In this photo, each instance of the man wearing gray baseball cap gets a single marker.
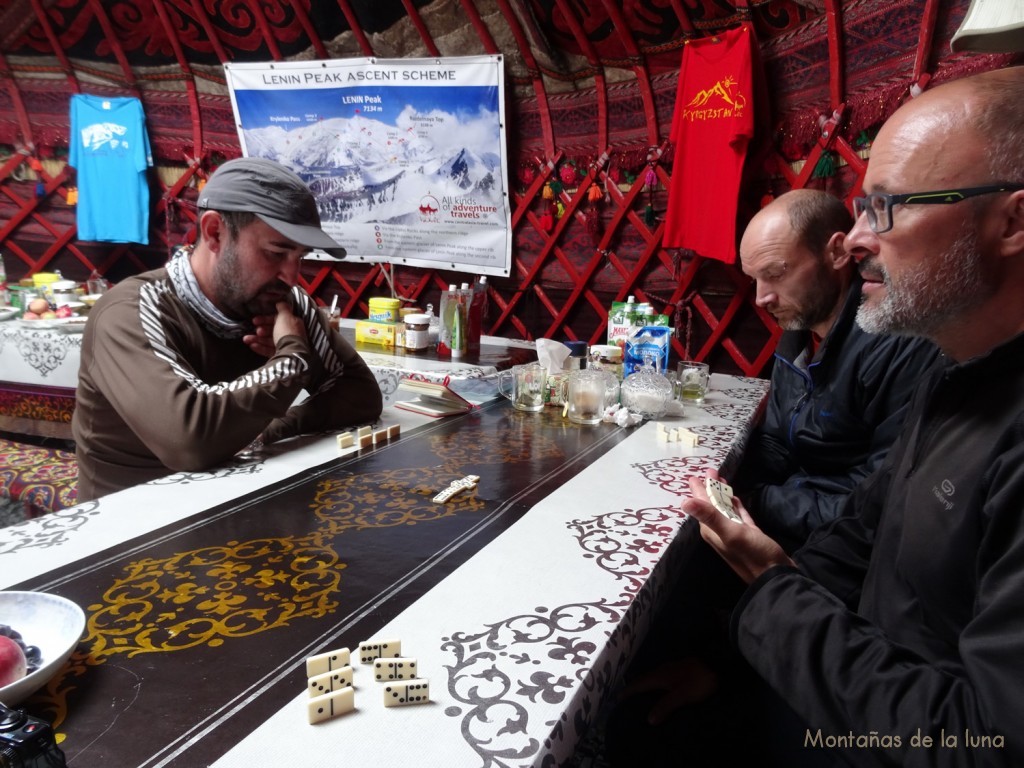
(184, 366)
(275, 194)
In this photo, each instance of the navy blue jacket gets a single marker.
(828, 423)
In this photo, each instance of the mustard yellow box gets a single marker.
(381, 334)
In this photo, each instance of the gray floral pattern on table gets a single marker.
(50, 530)
(493, 701)
(235, 468)
(42, 350)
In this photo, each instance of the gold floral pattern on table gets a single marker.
(388, 498)
(516, 439)
(234, 590)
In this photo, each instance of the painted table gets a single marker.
(523, 598)
(38, 376)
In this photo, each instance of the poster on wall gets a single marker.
(406, 157)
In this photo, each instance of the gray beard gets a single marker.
(935, 293)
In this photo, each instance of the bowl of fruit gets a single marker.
(39, 309)
(38, 632)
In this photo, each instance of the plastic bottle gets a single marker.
(477, 311)
(459, 318)
(4, 299)
(434, 323)
(448, 302)
(629, 311)
(458, 333)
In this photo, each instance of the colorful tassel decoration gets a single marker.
(559, 209)
(650, 182)
(594, 193)
(72, 198)
(200, 184)
(547, 222)
(556, 186)
(40, 189)
(826, 166)
(548, 193)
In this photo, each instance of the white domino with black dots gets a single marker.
(371, 650)
(402, 693)
(330, 679)
(326, 662)
(394, 669)
(331, 704)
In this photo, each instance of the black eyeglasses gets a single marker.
(878, 205)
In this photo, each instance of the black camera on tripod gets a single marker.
(26, 742)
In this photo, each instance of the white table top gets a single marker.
(41, 354)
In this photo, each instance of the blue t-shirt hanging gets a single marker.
(110, 152)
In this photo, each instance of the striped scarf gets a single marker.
(179, 268)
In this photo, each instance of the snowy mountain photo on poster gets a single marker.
(406, 157)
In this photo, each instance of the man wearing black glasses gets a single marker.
(897, 632)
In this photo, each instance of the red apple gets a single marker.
(12, 661)
(65, 311)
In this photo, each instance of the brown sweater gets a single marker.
(159, 393)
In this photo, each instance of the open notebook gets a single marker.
(432, 399)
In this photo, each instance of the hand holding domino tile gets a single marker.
(720, 495)
(744, 546)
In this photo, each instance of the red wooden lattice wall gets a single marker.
(591, 97)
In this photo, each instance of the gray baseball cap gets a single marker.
(275, 194)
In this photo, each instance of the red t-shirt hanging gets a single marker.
(711, 128)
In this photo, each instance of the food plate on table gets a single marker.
(71, 325)
(65, 324)
(51, 623)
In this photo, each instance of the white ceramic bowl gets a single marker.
(53, 624)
